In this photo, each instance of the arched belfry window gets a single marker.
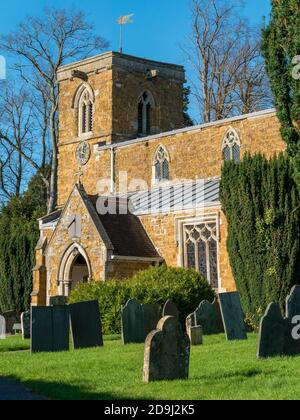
(84, 104)
(145, 107)
(231, 146)
(161, 165)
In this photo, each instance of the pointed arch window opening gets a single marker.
(145, 106)
(86, 113)
(231, 147)
(161, 165)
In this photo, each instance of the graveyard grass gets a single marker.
(218, 370)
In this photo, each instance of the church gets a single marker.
(135, 187)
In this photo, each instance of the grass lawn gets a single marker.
(14, 343)
(218, 370)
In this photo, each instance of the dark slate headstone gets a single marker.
(170, 309)
(206, 316)
(232, 316)
(11, 318)
(58, 300)
(293, 303)
(151, 317)
(50, 331)
(25, 323)
(216, 305)
(167, 352)
(271, 333)
(86, 325)
(133, 327)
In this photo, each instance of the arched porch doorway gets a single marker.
(74, 269)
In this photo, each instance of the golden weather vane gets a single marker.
(124, 20)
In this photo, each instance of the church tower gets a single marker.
(112, 98)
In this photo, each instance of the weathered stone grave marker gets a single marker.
(50, 329)
(151, 317)
(86, 325)
(58, 300)
(293, 303)
(2, 328)
(232, 316)
(133, 327)
(11, 318)
(271, 333)
(167, 352)
(25, 325)
(194, 331)
(206, 316)
(170, 309)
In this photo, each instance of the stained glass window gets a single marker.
(201, 250)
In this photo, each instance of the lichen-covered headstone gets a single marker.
(133, 328)
(271, 333)
(232, 315)
(86, 325)
(2, 328)
(167, 352)
(293, 303)
(25, 325)
(206, 316)
(170, 309)
(151, 317)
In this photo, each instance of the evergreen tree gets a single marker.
(261, 202)
(18, 237)
(281, 47)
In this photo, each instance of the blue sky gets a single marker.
(158, 29)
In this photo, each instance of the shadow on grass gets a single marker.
(61, 391)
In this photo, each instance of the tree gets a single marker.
(40, 46)
(18, 237)
(260, 200)
(224, 53)
(281, 49)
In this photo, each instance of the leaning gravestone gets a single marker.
(133, 327)
(2, 328)
(151, 317)
(167, 352)
(232, 316)
(271, 333)
(86, 325)
(216, 305)
(58, 300)
(25, 325)
(50, 329)
(206, 316)
(170, 309)
(293, 303)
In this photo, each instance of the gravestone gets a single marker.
(206, 316)
(58, 300)
(25, 323)
(167, 352)
(151, 317)
(271, 333)
(2, 328)
(170, 309)
(232, 315)
(86, 325)
(293, 302)
(216, 305)
(11, 318)
(133, 327)
(194, 331)
(50, 329)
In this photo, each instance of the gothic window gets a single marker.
(200, 243)
(161, 165)
(145, 106)
(85, 112)
(231, 146)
